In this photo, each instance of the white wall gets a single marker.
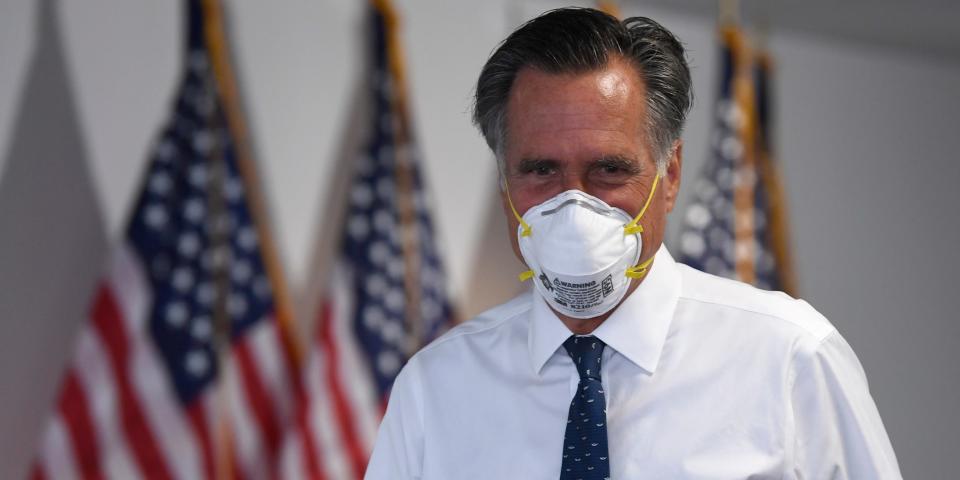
(867, 140)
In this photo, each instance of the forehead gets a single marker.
(603, 108)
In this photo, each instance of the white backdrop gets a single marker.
(867, 139)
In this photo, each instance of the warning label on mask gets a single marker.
(578, 295)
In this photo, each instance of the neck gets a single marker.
(582, 326)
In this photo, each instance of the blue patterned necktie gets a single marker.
(585, 454)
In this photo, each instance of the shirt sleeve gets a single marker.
(838, 433)
(398, 451)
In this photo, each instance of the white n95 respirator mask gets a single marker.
(582, 252)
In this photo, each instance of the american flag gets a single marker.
(736, 225)
(184, 369)
(386, 296)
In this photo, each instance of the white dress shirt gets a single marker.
(706, 378)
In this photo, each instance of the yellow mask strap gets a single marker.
(634, 225)
(524, 228)
(640, 270)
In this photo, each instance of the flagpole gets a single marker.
(779, 233)
(609, 7)
(219, 246)
(215, 37)
(409, 236)
(729, 12)
(220, 57)
(745, 172)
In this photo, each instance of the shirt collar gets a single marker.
(637, 328)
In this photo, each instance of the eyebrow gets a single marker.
(623, 162)
(529, 164)
(628, 164)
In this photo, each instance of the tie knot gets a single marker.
(586, 352)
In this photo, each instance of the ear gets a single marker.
(671, 179)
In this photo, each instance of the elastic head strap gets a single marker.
(640, 270)
(634, 225)
(524, 228)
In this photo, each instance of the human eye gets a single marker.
(611, 169)
(614, 168)
(537, 168)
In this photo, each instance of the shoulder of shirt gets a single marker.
(482, 323)
(705, 288)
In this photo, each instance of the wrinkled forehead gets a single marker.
(569, 109)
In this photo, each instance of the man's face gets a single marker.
(585, 132)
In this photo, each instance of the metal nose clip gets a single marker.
(575, 201)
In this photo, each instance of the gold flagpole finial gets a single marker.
(729, 12)
(610, 7)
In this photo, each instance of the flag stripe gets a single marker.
(294, 465)
(247, 447)
(56, 457)
(197, 416)
(111, 329)
(37, 472)
(236, 469)
(75, 409)
(266, 346)
(164, 413)
(290, 354)
(311, 456)
(94, 372)
(301, 443)
(259, 398)
(130, 288)
(354, 366)
(346, 420)
(321, 419)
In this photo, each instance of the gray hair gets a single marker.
(579, 40)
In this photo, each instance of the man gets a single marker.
(620, 363)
